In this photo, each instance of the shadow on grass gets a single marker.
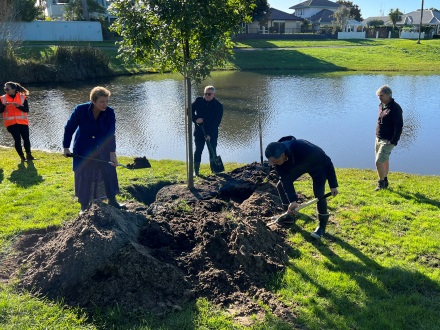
(257, 60)
(2, 175)
(417, 197)
(125, 320)
(26, 175)
(387, 298)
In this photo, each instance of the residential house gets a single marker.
(277, 22)
(54, 9)
(431, 19)
(318, 12)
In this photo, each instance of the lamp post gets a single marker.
(420, 27)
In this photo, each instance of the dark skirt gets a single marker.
(95, 181)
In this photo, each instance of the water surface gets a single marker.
(338, 112)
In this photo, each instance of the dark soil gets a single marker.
(209, 242)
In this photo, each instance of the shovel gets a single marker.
(300, 207)
(96, 160)
(215, 161)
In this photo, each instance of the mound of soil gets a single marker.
(209, 242)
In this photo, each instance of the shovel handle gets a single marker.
(208, 143)
(96, 160)
(313, 201)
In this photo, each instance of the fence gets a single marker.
(53, 31)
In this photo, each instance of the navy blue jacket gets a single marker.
(304, 157)
(93, 138)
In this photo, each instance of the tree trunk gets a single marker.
(421, 25)
(188, 122)
(85, 10)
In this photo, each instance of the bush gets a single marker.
(8, 60)
(79, 63)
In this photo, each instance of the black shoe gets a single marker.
(114, 203)
(380, 185)
(385, 180)
(22, 158)
(29, 156)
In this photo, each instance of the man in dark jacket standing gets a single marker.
(293, 158)
(207, 114)
(388, 130)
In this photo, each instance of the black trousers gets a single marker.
(319, 180)
(200, 145)
(18, 132)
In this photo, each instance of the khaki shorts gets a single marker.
(383, 150)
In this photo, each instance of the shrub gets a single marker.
(79, 63)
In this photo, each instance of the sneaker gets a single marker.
(385, 182)
(316, 235)
(23, 158)
(380, 185)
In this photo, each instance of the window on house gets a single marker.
(279, 27)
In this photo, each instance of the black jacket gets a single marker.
(304, 157)
(212, 114)
(390, 122)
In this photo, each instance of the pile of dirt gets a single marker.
(209, 242)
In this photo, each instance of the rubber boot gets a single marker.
(320, 230)
(196, 169)
(113, 202)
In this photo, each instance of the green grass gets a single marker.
(378, 268)
(340, 55)
(299, 55)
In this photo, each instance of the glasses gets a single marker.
(208, 94)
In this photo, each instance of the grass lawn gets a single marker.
(339, 55)
(300, 55)
(378, 268)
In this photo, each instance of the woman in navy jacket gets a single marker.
(94, 149)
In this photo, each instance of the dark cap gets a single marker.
(275, 150)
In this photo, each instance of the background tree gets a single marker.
(376, 22)
(355, 11)
(74, 10)
(260, 11)
(306, 25)
(191, 37)
(395, 16)
(342, 15)
(21, 10)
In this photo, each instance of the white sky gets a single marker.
(368, 7)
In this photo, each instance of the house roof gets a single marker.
(275, 14)
(430, 17)
(323, 16)
(316, 3)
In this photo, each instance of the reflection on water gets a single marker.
(335, 111)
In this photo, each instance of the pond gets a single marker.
(337, 112)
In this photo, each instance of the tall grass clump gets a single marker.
(79, 63)
(8, 60)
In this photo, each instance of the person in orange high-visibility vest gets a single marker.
(14, 107)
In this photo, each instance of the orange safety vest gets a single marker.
(12, 115)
